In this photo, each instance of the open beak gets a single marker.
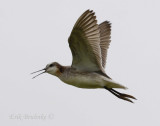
(44, 70)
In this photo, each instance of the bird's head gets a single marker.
(53, 68)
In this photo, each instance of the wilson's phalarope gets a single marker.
(88, 43)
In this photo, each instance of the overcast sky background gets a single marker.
(34, 33)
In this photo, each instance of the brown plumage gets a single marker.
(84, 43)
(89, 43)
(105, 32)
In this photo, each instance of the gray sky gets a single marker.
(34, 33)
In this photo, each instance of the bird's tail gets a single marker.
(112, 84)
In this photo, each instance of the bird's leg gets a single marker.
(120, 95)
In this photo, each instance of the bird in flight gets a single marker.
(89, 43)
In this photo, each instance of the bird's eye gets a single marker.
(51, 65)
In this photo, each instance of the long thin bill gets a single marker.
(38, 71)
(38, 74)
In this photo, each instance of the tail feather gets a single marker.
(112, 84)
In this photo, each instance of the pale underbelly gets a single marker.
(89, 80)
(85, 82)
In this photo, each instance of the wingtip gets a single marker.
(89, 11)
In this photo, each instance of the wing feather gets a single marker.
(84, 43)
(105, 32)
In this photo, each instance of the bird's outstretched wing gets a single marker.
(105, 32)
(84, 43)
